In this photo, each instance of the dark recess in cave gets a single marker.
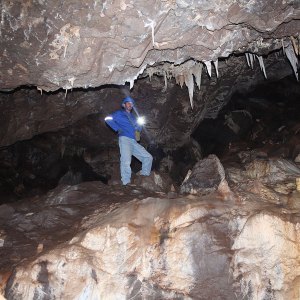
(265, 115)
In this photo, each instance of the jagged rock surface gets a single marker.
(206, 177)
(59, 44)
(128, 244)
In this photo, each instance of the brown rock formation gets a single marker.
(55, 44)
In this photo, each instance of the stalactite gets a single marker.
(208, 67)
(247, 58)
(197, 71)
(189, 82)
(216, 63)
(290, 54)
(180, 80)
(150, 72)
(183, 74)
(166, 81)
(251, 57)
(131, 83)
(261, 63)
(40, 89)
(295, 46)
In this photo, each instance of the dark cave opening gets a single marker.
(265, 117)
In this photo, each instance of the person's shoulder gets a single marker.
(118, 112)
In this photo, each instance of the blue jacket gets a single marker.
(119, 121)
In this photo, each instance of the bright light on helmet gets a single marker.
(141, 120)
(108, 118)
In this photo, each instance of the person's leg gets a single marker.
(144, 157)
(125, 145)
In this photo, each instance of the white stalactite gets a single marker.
(198, 74)
(40, 89)
(216, 64)
(166, 81)
(208, 67)
(180, 80)
(183, 74)
(295, 44)
(189, 82)
(247, 58)
(290, 54)
(150, 72)
(251, 57)
(131, 83)
(261, 63)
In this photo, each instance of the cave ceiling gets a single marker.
(69, 44)
(211, 48)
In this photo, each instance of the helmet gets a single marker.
(127, 99)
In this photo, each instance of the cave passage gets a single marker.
(265, 117)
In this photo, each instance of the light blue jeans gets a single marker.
(129, 147)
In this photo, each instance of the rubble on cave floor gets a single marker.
(237, 230)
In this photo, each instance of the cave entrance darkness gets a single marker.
(265, 117)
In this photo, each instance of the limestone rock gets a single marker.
(190, 247)
(267, 258)
(268, 178)
(206, 177)
(154, 248)
(272, 170)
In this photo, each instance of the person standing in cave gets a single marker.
(129, 129)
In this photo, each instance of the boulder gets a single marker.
(272, 170)
(207, 176)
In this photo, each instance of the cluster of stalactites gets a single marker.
(290, 48)
(186, 73)
(190, 71)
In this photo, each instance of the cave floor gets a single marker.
(36, 224)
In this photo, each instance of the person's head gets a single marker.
(128, 103)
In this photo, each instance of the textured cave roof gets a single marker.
(58, 46)
(68, 44)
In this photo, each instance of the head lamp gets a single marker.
(141, 120)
